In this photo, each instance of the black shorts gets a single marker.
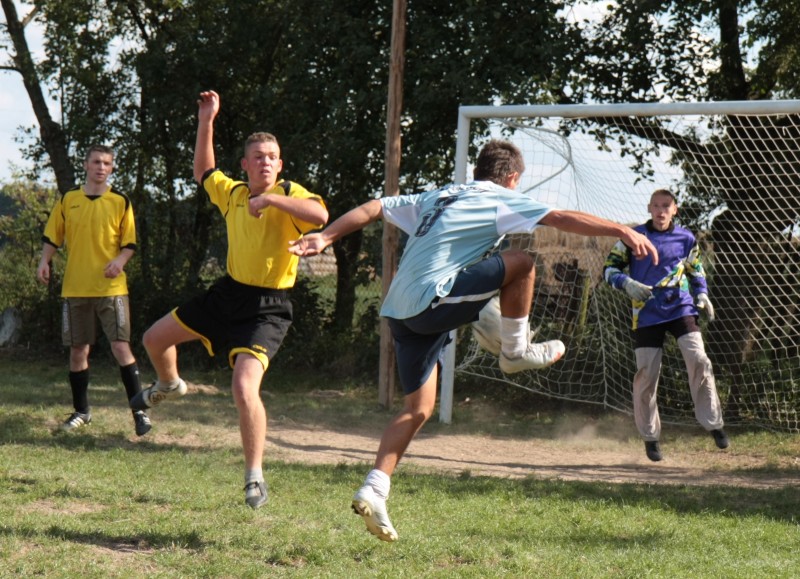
(235, 317)
(653, 336)
(419, 341)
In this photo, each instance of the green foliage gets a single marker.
(646, 51)
(317, 80)
(26, 208)
(316, 341)
(79, 70)
(315, 73)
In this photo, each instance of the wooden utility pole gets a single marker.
(387, 375)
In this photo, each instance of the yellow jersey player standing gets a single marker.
(96, 225)
(247, 312)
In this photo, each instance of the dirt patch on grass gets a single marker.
(573, 448)
(50, 507)
(580, 458)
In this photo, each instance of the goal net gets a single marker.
(735, 168)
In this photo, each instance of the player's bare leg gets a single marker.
(122, 353)
(160, 341)
(516, 295)
(246, 386)
(370, 500)
(417, 409)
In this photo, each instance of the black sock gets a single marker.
(130, 378)
(79, 383)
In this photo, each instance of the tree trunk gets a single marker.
(52, 135)
(346, 251)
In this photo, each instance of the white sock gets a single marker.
(253, 474)
(380, 483)
(514, 336)
(169, 384)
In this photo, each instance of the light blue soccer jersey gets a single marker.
(449, 229)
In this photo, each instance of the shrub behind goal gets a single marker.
(735, 168)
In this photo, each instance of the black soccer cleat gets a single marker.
(142, 422)
(76, 420)
(720, 438)
(652, 450)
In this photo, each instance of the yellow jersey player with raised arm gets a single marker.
(247, 313)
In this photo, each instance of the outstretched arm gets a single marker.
(351, 221)
(591, 225)
(207, 109)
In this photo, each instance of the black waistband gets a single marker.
(264, 291)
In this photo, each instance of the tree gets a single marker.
(53, 140)
(336, 62)
(24, 212)
(315, 73)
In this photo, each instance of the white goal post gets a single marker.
(735, 167)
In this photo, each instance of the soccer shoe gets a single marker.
(373, 510)
(720, 438)
(155, 394)
(537, 356)
(142, 422)
(255, 493)
(76, 420)
(486, 329)
(489, 343)
(652, 450)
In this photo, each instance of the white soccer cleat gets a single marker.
(156, 394)
(536, 357)
(373, 510)
(486, 329)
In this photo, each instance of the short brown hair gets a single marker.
(665, 193)
(497, 160)
(98, 149)
(259, 138)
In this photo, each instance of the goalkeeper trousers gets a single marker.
(707, 408)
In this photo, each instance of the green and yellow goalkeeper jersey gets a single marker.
(93, 229)
(258, 249)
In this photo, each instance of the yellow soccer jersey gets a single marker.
(93, 230)
(258, 249)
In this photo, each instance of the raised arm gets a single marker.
(351, 221)
(207, 109)
(591, 225)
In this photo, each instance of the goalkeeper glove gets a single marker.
(637, 291)
(703, 303)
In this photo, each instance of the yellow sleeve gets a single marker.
(54, 230)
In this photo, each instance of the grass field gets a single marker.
(103, 503)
